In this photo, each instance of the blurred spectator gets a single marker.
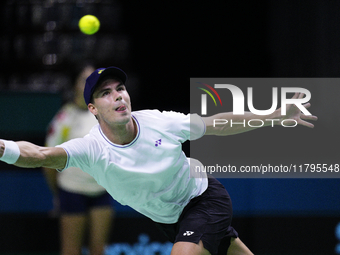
(84, 206)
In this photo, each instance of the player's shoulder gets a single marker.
(146, 115)
(146, 112)
(157, 113)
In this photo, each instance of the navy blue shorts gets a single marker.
(207, 218)
(72, 203)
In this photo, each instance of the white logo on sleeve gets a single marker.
(188, 233)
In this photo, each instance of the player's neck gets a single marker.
(121, 134)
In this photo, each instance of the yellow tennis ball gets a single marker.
(89, 24)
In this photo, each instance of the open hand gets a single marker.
(293, 112)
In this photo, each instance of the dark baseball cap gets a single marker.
(92, 80)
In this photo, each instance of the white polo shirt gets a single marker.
(151, 174)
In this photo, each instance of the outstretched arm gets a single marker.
(29, 155)
(228, 124)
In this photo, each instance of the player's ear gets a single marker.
(92, 109)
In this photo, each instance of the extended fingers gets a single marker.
(305, 123)
(298, 95)
(307, 105)
(308, 117)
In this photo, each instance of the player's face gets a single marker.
(111, 103)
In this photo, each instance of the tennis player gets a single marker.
(137, 157)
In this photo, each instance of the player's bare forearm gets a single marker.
(33, 156)
(223, 124)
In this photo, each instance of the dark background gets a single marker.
(161, 45)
